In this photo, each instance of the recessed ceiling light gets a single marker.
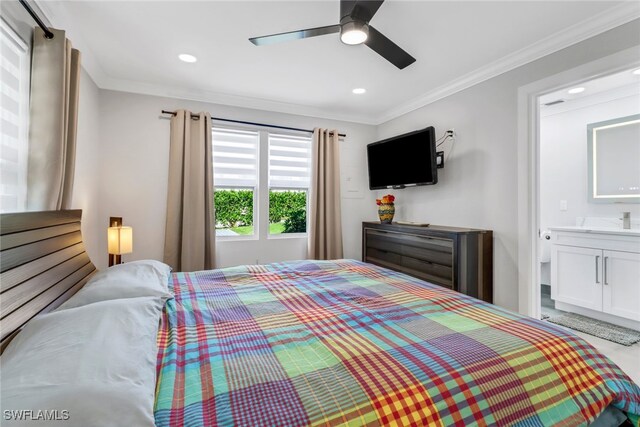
(575, 90)
(187, 58)
(637, 72)
(359, 90)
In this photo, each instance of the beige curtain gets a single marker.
(189, 243)
(55, 79)
(325, 221)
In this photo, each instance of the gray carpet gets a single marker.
(597, 328)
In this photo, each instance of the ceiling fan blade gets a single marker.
(294, 35)
(364, 10)
(388, 49)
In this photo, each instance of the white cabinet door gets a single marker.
(576, 276)
(621, 284)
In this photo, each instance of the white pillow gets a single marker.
(146, 278)
(97, 363)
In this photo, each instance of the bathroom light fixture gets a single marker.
(185, 57)
(354, 32)
(637, 72)
(575, 90)
(359, 90)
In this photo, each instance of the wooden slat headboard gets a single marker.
(43, 262)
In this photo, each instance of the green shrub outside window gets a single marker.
(287, 211)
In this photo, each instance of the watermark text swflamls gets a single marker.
(37, 415)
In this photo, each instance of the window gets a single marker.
(289, 175)
(254, 204)
(235, 176)
(14, 89)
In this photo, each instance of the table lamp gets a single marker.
(119, 240)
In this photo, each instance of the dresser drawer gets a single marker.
(429, 258)
(421, 247)
(429, 271)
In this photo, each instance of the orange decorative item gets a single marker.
(386, 208)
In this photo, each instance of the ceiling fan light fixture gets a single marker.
(354, 32)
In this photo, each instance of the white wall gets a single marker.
(87, 178)
(134, 154)
(563, 158)
(478, 187)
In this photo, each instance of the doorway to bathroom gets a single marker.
(530, 229)
(588, 204)
(587, 294)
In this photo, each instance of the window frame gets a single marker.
(256, 189)
(261, 192)
(24, 111)
(307, 191)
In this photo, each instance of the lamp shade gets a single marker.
(120, 240)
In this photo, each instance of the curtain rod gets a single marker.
(47, 32)
(173, 113)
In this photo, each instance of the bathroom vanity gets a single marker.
(596, 272)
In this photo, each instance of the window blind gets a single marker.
(235, 158)
(289, 161)
(14, 89)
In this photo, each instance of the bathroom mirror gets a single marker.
(614, 160)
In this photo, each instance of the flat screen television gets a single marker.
(403, 161)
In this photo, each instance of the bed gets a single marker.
(293, 344)
(344, 342)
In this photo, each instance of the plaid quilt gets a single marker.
(348, 343)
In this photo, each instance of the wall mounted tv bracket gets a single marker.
(440, 154)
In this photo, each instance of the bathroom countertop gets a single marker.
(598, 230)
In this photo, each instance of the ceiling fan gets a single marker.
(354, 29)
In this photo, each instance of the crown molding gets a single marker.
(576, 33)
(131, 86)
(614, 17)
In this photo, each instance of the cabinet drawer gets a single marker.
(440, 274)
(447, 283)
(424, 248)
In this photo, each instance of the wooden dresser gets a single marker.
(456, 258)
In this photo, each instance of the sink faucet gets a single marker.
(626, 220)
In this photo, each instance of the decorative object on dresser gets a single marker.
(456, 258)
(119, 240)
(386, 208)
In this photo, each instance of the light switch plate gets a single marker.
(563, 205)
